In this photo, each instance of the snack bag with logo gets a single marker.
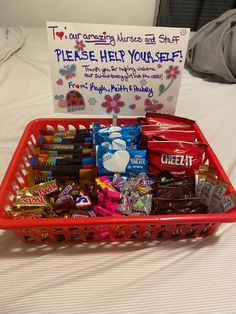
(178, 157)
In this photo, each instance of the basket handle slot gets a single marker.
(19, 178)
(33, 139)
(82, 127)
(28, 154)
(31, 147)
(50, 128)
(15, 186)
(26, 161)
(10, 196)
(60, 127)
(22, 169)
(71, 127)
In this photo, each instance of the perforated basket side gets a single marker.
(116, 232)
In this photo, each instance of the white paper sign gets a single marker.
(110, 69)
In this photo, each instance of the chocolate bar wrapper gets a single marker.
(78, 147)
(27, 213)
(226, 204)
(170, 206)
(74, 153)
(218, 194)
(208, 190)
(64, 140)
(78, 132)
(54, 161)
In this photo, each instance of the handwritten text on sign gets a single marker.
(99, 69)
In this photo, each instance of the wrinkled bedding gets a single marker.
(170, 277)
(11, 40)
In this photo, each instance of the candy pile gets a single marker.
(50, 200)
(213, 191)
(155, 167)
(124, 196)
(63, 155)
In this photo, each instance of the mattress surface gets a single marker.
(194, 276)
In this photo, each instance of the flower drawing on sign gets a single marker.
(59, 97)
(183, 32)
(152, 106)
(79, 45)
(169, 98)
(113, 103)
(62, 103)
(92, 101)
(143, 82)
(171, 74)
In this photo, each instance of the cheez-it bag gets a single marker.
(179, 157)
(163, 120)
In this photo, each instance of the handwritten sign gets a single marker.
(110, 69)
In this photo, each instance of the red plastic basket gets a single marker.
(99, 228)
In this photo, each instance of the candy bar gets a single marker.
(218, 194)
(67, 154)
(65, 140)
(100, 211)
(80, 132)
(27, 214)
(83, 201)
(168, 206)
(64, 203)
(79, 216)
(22, 202)
(201, 176)
(77, 147)
(105, 185)
(54, 161)
(227, 203)
(43, 189)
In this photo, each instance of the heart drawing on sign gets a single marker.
(60, 34)
(137, 97)
(132, 107)
(59, 82)
(104, 33)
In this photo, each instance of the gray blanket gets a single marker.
(212, 49)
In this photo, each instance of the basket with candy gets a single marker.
(149, 178)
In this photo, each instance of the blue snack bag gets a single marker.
(126, 130)
(121, 161)
(115, 128)
(118, 140)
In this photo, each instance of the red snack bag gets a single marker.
(178, 157)
(168, 135)
(168, 121)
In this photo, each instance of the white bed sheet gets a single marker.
(172, 277)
